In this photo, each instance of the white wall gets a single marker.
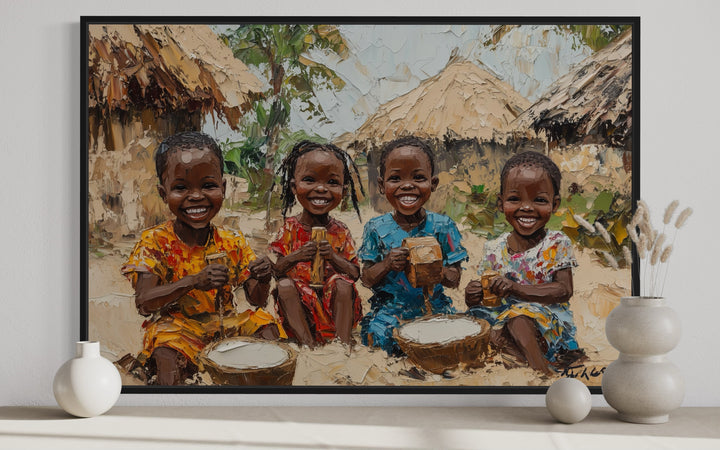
(40, 148)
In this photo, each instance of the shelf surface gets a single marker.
(349, 427)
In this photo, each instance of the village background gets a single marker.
(359, 86)
(41, 148)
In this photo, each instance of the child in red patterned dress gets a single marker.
(318, 176)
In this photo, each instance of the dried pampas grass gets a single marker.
(654, 255)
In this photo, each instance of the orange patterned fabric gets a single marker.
(193, 321)
(290, 238)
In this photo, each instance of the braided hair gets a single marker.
(287, 172)
(532, 159)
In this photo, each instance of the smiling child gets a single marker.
(176, 288)
(318, 176)
(533, 320)
(407, 179)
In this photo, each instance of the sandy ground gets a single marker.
(117, 325)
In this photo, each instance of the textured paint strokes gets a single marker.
(463, 100)
(187, 63)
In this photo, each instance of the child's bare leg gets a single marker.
(524, 332)
(268, 332)
(502, 341)
(170, 366)
(343, 310)
(291, 305)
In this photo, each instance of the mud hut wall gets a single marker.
(122, 185)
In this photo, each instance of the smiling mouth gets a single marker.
(407, 200)
(320, 202)
(196, 212)
(527, 221)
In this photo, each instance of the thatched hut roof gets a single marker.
(135, 68)
(463, 100)
(592, 102)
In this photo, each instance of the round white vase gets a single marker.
(87, 385)
(642, 385)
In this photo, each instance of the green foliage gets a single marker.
(480, 213)
(594, 36)
(281, 52)
(246, 159)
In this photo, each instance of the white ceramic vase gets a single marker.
(87, 385)
(642, 385)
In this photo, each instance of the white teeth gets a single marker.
(195, 210)
(319, 202)
(408, 199)
(526, 220)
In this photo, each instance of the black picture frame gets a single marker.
(631, 143)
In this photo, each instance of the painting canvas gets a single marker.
(467, 93)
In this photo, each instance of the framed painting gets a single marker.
(357, 204)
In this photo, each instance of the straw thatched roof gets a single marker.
(135, 68)
(463, 100)
(592, 102)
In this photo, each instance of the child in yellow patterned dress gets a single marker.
(178, 286)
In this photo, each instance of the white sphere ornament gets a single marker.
(87, 385)
(568, 400)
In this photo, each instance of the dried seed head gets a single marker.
(603, 232)
(584, 223)
(628, 255)
(610, 260)
(632, 232)
(683, 217)
(666, 253)
(641, 246)
(657, 249)
(669, 211)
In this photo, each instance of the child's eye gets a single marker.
(333, 182)
(513, 198)
(308, 179)
(541, 200)
(393, 178)
(420, 178)
(178, 187)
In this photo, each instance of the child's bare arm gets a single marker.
(151, 296)
(341, 264)
(287, 262)
(257, 287)
(451, 275)
(473, 293)
(557, 291)
(396, 260)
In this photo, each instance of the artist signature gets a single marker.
(583, 372)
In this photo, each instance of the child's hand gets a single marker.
(451, 276)
(501, 286)
(397, 259)
(326, 251)
(473, 293)
(213, 276)
(307, 251)
(261, 269)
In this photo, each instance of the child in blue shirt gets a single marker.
(407, 179)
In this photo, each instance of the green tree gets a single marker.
(595, 36)
(282, 53)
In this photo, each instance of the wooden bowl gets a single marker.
(247, 361)
(443, 342)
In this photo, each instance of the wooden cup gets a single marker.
(317, 275)
(489, 299)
